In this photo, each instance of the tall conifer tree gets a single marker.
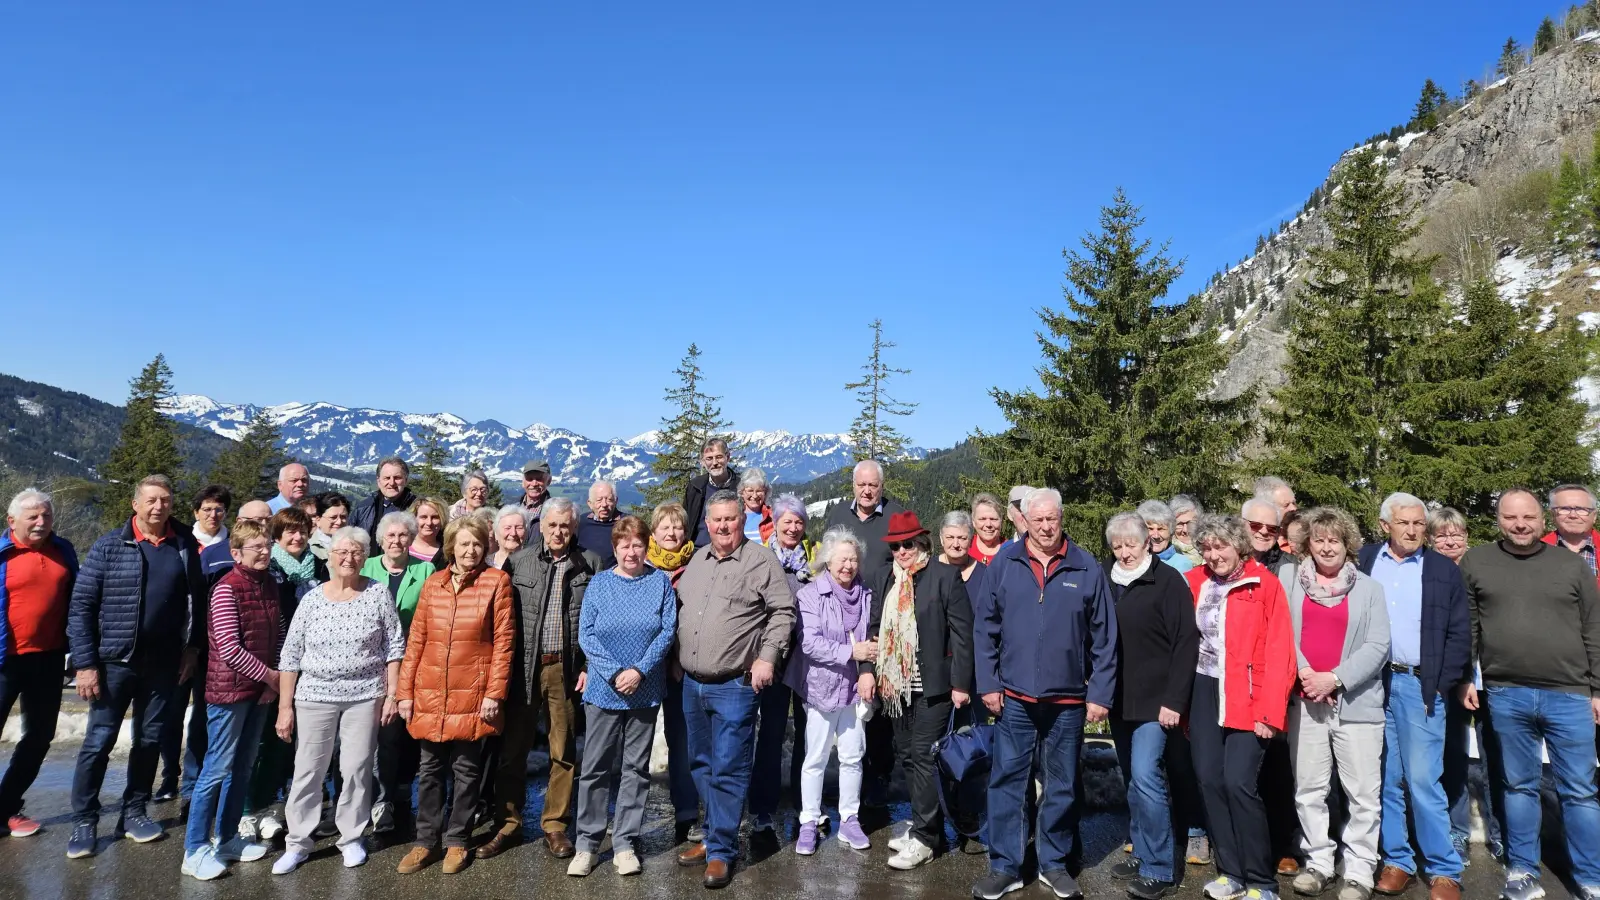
(695, 417)
(430, 478)
(148, 445)
(249, 468)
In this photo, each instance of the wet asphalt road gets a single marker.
(37, 867)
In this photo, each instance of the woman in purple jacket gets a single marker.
(833, 609)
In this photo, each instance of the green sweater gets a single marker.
(410, 584)
(1535, 619)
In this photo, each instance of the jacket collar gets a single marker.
(1554, 539)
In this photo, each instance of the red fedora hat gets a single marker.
(903, 526)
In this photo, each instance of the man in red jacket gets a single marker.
(1574, 508)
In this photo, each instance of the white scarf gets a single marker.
(206, 540)
(1125, 577)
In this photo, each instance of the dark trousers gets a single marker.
(464, 759)
(398, 755)
(1227, 763)
(274, 766)
(878, 765)
(1276, 786)
(922, 722)
(183, 749)
(35, 680)
(148, 687)
(1187, 805)
(1467, 779)
(778, 708)
(680, 777)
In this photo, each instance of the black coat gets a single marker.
(875, 556)
(694, 503)
(944, 626)
(1158, 643)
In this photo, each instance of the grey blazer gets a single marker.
(1366, 647)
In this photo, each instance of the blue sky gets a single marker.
(524, 212)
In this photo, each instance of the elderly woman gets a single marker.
(474, 494)
(956, 541)
(1341, 632)
(922, 670)
(510, 533)
(341, 662)
(431, 516)
(452, 683)
(1158, 645)
(834, 610)
(758, 517)
(292, 560)
(333, 510)
(786, 530)
(669, 552)
(1243, 676)
(988, 528)
(1185, 510)
(245, 625)
(1447, 532)
(403, 574)
(625, 629)
(1161, 522)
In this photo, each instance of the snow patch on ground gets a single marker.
(31, 407)
(1547, 317)
(1501, 83)
(1588, 321)
(1588, 37)
(1518, 276)
(1407, 139)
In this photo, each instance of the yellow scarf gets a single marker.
(669, 561)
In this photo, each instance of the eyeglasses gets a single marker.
(345, 554)
(1452, 537)
(255, 548)
(897, 546)
(1263, 528)
(1573, 510)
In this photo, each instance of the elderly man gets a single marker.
(217, 559)
(1019, 522)
(718, 476)
(1278, 492)
(37, 571)
(135, 627)
(867, 514)
(1573, 507)
(1430, 655)
(294, 482)
(1262, 516)
(1536, 630)
(393, 495)
(1046, 662)
(535, 489)
(737, 617)
(548, 579)
(594, 529)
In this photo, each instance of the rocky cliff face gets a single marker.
(1517, 125)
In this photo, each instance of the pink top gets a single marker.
(1322, 631)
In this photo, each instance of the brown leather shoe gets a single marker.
(498, 844)
(718, 874)
(418, 859)
(455, 859)
(694, 856)
(559, 845)
(1288, 865)
(1394, 880)
(1445, 889)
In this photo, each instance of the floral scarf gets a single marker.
(669, 561)
(793, 560)
(1326, 594)
(898, 641)
(297, 571)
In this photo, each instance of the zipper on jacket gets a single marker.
(1250, 672)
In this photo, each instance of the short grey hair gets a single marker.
(603, 483)
(351, 533)
(29, 498)
(722, 496)
(1156, 511)
(713, 442)
(512, 509)
(753, 478)
(989, 500)
(1446, 517)
(405, 467)
(159, 481)
(876, 466)
(558, 505)
(1040, 495)
(1130, 525)
(1267, 485)
(1182, 503)
(398, 517)
(831, 540)
(1264, 503)
(1229, 530)
(956, 518)
(1561, 489)
(470, 476)
(1397, 501)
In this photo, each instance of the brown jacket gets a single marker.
(459, 652)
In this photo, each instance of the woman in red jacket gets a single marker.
(1242, 680)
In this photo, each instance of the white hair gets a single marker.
(866, 463)
(1128, 525)
(831, 540)
(1156, 511)
(752, 478)
(602, 483)
(1182, 503)
(560, 504)
(470, 476)
(1263, 502)
(956, 518)
(356, 535)
(511, 510)
(29, 498)
(398, 517)
(1562, 489)
(1038, 496)
(1397, 501)
(1267, 485)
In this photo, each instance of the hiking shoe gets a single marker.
(806, 843)
(913, 854)
(1589, 892)
(626, 862)
(1350, 890)
(1522, 886)
(1223, 888)
(1151, 889)
(241, 850)
(582, 864)
(899, 833)
(142, 829)
(995, 885)
(418, 859)
(82, 842)
(1126, 870)
(972, 846)
(272, 826)
(455, 859)
(1261, 894)
(1062, 882)
(288, 862)
(202, 864)
(21, 826)
(167, 793)
(249, 827)
(354, 855)
(1199, 850)
(1310, 883)
(1463, 852)
(853, 835)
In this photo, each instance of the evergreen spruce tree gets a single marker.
(1361, 319)
(1495, 407)
(1429, 105)
(430, 478)
(1569, 207)
(873, 434)
(1123, 412)
(695, 418)
(148, 445)
(1511, 59)
(1544, 40)
(249, 468)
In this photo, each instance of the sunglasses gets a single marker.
(897, 546)
(1263, 528)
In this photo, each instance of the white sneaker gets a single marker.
(913, 853)
(626, 861)
(288, 862)
(271, 827)
(899, 831)
(241, 850)
(248, 827)
(354, 854)
(582, 864)
(203, 864)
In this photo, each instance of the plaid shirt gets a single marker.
(554, 602)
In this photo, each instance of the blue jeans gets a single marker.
(233, 732)
(721, 722)
(1055, 731)
(1522, 716)
(1141, 747)
(1413, 772)
(680, 775)
(148, 686)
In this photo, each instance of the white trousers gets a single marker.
(823, 729)
(1319, 742)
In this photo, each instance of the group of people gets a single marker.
(336, 653)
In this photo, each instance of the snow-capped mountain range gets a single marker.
(356, 439)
